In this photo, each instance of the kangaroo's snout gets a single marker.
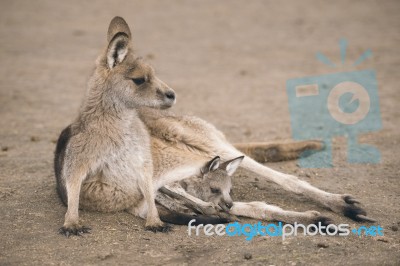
(226, 205)
(169, 98)
(170, 95)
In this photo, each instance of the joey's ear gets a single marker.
(232, 165)
(118, 37)
(211, 166)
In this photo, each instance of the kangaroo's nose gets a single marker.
(170, 95)
(229, 204)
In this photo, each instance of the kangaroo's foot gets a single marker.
(342, 204)
(74, 229)
(153, 222)
(162, 227)
(278, 151)
(347, 205)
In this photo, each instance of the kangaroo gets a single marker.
(206, 194)
(106, 160)
(189, 135)
(193, 195)
(215, 184)
(124, 146)
(103, 159)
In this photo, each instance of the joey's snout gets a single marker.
(229, 204)
(226, 204)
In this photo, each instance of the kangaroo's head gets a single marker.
(215, 183)
(126, 78)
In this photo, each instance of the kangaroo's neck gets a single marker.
(101, 108)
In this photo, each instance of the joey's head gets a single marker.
(217, 181)
(127, 80)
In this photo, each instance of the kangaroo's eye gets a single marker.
(138, 81)
(215, 190)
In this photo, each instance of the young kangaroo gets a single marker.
(103, 159)
(215, 184)
(193, 196)
(206, 193)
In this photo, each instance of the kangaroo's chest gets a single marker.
(128, 153)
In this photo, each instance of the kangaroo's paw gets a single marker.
(74, 229)
(209, 209)
(163, 227)
(314, 217)
(324, 222)
(228, 217)
(348, 206)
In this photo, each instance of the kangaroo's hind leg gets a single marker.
(340, 203)
(262, 211)
(276, 151)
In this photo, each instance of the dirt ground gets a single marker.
(229, 62)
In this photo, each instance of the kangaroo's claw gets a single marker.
(350, 200)
(74, 230)
(353, 211)
(164, 228)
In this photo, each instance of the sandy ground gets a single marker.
(228, 62)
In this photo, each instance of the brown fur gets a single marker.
(122, 147)
(104, 158)
(188, 137)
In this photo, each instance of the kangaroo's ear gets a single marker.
(117, 25)
(232, 165)
(118, 36)
(211, 166)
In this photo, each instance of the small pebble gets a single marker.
(105, 256)
(34, 138)
(322, 245)
(394, 228)
(4, 148)
(248, 256)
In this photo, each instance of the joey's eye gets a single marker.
(138, 81)
(215, 190)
